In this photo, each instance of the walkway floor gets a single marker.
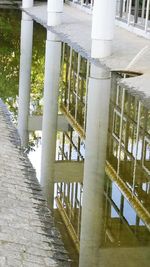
(28, 237)
(129, 50)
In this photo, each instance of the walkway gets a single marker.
(130, 51)
(28, 237)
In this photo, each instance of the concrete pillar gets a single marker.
(27, 3)
(24, 76)
(50, 111)
(54, 9)
(95, 155)
(103, 28)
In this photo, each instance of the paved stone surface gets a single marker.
(130, 51)
(28, 237)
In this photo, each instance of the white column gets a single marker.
(27, 3)
(49, 125)
(103, 28)
(51, 89)
(95, 155)
(24, 76)
(54, 9)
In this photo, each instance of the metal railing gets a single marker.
(86, 3)
(131, 14)
(134, 13)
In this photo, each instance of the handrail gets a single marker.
(131, 14)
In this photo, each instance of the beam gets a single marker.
(68, 171)
(35, 123)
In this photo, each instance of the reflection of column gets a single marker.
(24, 77)
(49, 127)
(103, 27)
(93, 183)
(51, 88)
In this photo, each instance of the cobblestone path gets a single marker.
(28, 236)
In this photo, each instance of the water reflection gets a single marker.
(128, 142)
(70, 146)
(69, 195)
(74, 86)
(123, 212)
(125, 227)
(123, 232)
(121, 226)
(10, 56)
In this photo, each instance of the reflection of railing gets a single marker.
(128, 142)
(69, 203)
(69, 195)
(117, 210)
(129, 139)
(71, 146)
(133, 199)
(128, 149)
(75, 125)
(73, 85)
(67, 222)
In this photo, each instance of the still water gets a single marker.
(125, 203)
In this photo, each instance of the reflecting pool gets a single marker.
(123, 214)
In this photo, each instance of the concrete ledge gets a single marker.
(69, 171)
(35, 123)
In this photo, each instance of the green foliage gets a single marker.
(10, 57)
(37, 71)
(9, 53)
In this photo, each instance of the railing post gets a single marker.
(121, 8)
(143, 9)
(147, 15)
(129, 11)
(136, 11)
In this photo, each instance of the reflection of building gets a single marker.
(128, 155)
(128, 148)
(122, 225)
(73, 86)
(94, 99)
